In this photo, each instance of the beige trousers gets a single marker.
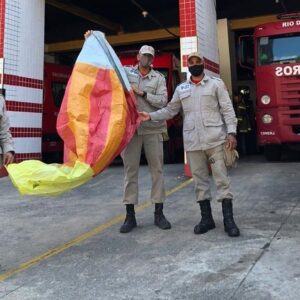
(198, 161)
(153, 147)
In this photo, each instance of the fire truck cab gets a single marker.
(277, 75)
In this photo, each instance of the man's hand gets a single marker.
(8, 158)
(144, 116)
(231, 142)
(88, 33)
(137, 91)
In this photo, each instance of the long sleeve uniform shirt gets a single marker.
(154, 84)
(6, 141)
(208, 114)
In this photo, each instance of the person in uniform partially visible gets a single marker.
(241, 111)
(6, 142)
(209, 124)
(150, 89)
(242, 107)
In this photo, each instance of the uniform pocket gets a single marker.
(186, 101)
(214, 127)
(187, 126)
(207, 92)
(212, 119)
(150, 88)
(209, 100)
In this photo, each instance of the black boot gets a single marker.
(207, 221)
(229, 224)
(159, 218)
(130, 221)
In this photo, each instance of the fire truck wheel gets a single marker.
(273, 152)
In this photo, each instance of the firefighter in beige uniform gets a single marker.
(6, 142)
(151, 93)
(209, 122)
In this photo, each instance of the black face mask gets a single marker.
(196, 70)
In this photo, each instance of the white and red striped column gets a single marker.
(198, 33)
(22, 57)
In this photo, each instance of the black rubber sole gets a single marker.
(126, 231)
(202, 232)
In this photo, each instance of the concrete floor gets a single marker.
(70, 247)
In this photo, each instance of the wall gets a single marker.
(198, 32)
(22, 50)
(224, 51)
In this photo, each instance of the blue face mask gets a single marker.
(196, 70)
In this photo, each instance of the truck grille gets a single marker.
(290, 91)
(296, 129)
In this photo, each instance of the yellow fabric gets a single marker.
(52, 179)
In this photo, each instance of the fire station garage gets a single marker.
(69, 246)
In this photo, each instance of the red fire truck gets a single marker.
(55, 82)
(277, 74)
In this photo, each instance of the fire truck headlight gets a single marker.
(265, 99)
(267, 119)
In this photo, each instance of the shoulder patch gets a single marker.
(130, 70)
(184, 86)
(134, 71)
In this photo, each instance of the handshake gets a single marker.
(143, 116)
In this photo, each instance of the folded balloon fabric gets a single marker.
(97, 119)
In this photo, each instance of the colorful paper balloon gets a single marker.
(97, 119)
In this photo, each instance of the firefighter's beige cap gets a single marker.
(195, 54)
(147, 50)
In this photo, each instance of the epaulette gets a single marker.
(159, 73)
(217, 78)
(221, 82)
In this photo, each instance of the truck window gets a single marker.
(274, 49)
(58, 91)
(244, 54)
